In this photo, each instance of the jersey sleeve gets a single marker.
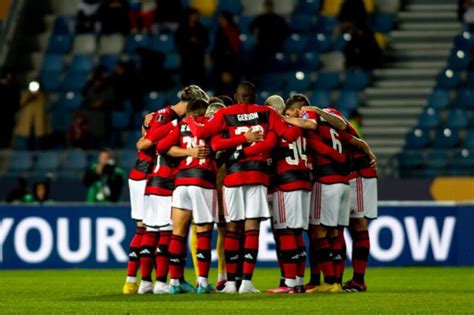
(320, 147)
(219, 143)
(277, 125)
(310, 115)
(165, 144)
(345, 136)
(262, 146)
(155, 134)
(212, 127)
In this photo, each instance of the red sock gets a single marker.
(204, 253)
(134, 253)
(322, 254)
(162, 257)
(302, 253)
(289, 252)
(232, 252)
(315, 268)
(177, 254)
(338, 257)
(147, 254)
(250, 253)
(360, 254)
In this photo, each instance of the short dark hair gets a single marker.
(247, 92)
(228, 101)
(197, 107)
(297, 100)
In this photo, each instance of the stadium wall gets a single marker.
(80, 236)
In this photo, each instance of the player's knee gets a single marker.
(358, 224)
(252, 225)
(203, 228)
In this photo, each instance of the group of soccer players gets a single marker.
(201, 162)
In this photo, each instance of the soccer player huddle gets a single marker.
(202, 163)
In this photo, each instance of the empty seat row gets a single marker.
(442, 138)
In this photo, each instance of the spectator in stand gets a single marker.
(98, 100)
(192, 40)
(79, 132)
(33, 122)
(113, 17)
(10, 98)
(269, 29)
(87, 16)
(153, 76)
(168, 15)
(361, 50)
(205, 7)
(226, 54)
(142, 15)
(104, 179)
(127, 85)
(40, 193)
(353, 12)
(18, 192)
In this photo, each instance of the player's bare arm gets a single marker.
(364, 146)
(335, 121)
(219, 143)
(200, 152)
(301, 122)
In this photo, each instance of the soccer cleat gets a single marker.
(205, 290)
(229, 288)
(220, 285)
(310, 286)
(145, 287)
(325, 288)
(130, 288)
(352, 286)
(187, 287)
(175, 289)
(161, 288)
(281, 290)
(247, 287)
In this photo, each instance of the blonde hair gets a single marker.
(277, 102)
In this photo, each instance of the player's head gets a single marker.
(276, 102)
(197, 107)
(226, 100)
(192, 92)
(106, 155)
(246, 93)
(294, 104)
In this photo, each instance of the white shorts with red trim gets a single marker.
(201, 201)
(291, 209)
(330, 205)
(245, 202)
(158, 212)
(363, 197)
(137, 198)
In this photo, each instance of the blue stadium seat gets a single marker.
(469, 83)
(326, 24)
(446, 138)
(82, 62)
(75, 81)
(109, 61)
(417, 139)
(429, 119)
(348, 100)
(70, 100)
(410, 160)
(457, 119)
(247, 42)
(382, 23)
(340, 43)
(172, 62)
(272, 81)
(61, 119)
(438, 99)
(298, 82)
(47, 161)
(74, 161)
(465, 99)
(309, 61)
(127, 158)
(469, 139)
(279, 62)
(234, 7)
(463, 159)
(154, 101)
(132, 138)
(437, 159)
(50, 80)
(308, 7)
(459, 60)
(137, 41)
(163, 43)
(327, 80)
(301, 23)
(120, 120)
(53, 62)
(295, 44)
(60, 44)
(64, 25)
(21, 161)
(320, 98)
(320, 42)
(356, 80)
(448, 79)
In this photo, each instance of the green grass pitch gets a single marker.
(391, 290)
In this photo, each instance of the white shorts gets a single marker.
(330, 205)
(201, 201)
(364, 197)
(137, 198)
(291, 209)
(245, 202)
(158, 212)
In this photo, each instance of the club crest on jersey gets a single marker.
(160, 118)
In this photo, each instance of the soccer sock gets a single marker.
(193, 249)
(322, 255)
(232, 252)
(177, 254)
(162, 256)
(134, 255)
(290, 255)
(250, 253)
(204, 256)
(279, 258)
(302, 258)
(240, 263)
(315, 268)
(338, 257)
(147, 254)
(221, 274)
(360, 254)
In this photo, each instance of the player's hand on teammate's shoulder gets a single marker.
(147, 120)
(373, 161)
(253, 136)
(200, 152)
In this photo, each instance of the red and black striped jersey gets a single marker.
(190, 171)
